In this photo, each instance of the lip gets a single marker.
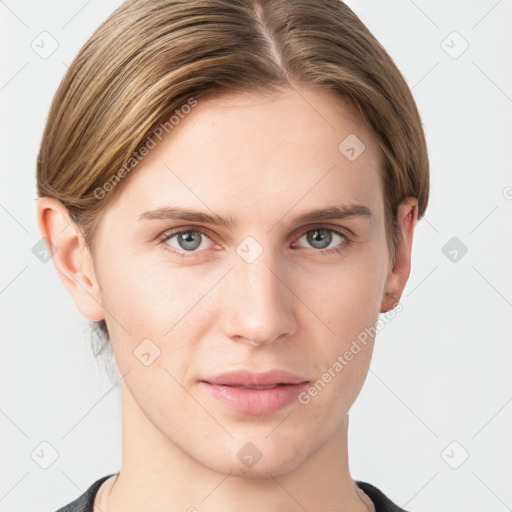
(231, 389)
(246, 378)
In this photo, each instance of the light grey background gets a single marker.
(439, 388)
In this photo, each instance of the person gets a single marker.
(229, 190)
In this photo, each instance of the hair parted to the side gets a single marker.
(149, 58)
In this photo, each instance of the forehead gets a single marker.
(258, 154)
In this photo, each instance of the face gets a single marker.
(188, 299)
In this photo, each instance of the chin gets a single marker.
(247, 461)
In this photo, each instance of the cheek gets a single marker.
(159, 315)
(346, 302)
(151, 296)
(346, 298)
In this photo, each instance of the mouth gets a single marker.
(271, 378)
(267, 386)
(255, 393)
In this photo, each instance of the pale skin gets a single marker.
(263, 161)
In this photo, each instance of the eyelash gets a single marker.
(341, 249)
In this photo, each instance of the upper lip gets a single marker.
(246, 378)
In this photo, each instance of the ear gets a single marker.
(398, 275)
(71, 256)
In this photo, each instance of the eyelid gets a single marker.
(303, 230)
(175, 231)
(346, 233)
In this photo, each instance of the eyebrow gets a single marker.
(186, 214)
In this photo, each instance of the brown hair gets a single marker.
(149, 58)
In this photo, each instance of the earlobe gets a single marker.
(71, 256)
(399, 273)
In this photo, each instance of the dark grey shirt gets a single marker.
(85, 502)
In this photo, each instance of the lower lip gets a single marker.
(255, 401)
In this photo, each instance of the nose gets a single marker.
(258, 302)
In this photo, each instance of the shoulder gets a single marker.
(85, 502)
(380, 500)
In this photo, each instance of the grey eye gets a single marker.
(188, 240)
(321, 238)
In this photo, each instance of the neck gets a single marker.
(158, 474)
